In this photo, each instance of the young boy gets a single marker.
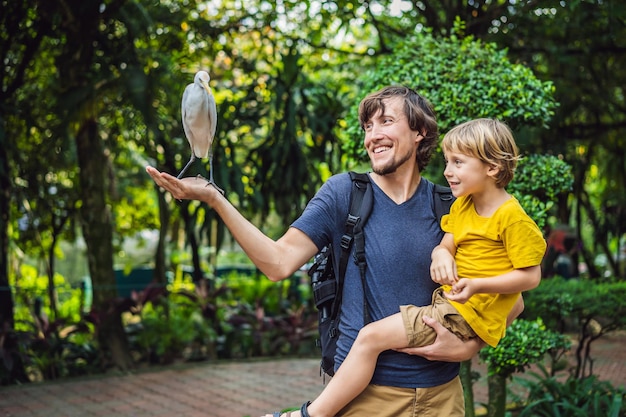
(490, 253)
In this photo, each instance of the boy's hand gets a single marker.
(443, 267)
(461, 291)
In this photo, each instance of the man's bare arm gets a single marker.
(276, 259)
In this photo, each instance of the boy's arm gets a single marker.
(443, 266)
(518, 280)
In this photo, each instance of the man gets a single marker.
(400, 135)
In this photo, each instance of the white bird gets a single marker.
(199, 115)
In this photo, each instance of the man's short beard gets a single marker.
(392, 166)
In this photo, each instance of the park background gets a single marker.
(99, 269)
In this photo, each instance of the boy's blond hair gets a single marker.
(489, 140)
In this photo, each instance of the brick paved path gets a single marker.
(207, 389)
(247, 388)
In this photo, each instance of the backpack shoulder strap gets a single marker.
(361, 202)
(443, 200)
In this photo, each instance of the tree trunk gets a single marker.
(11, 367)
(192, 240)
(465, 374)
(97, 230)
(159, 256)
(496, 406)
(52, 294)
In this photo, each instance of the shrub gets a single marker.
(464, 78)
(168, 328)
(586, 397)
(526, 342)
(538, 182)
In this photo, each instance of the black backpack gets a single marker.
(328, 285)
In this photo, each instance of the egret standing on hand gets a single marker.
(199, 115)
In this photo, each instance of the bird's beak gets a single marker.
(206, 86)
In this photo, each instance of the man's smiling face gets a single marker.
(389, 141)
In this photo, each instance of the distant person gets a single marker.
(566, 262)
(562, 254)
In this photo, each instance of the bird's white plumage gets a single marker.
(199, 115)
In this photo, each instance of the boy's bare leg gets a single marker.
(355, 373)
(357, 369)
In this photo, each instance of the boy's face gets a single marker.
(467, 174)
(389, 141)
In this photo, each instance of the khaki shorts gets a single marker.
(420, 334)
(380, 401)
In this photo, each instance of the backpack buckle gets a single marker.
(346, 241)
(352, 221)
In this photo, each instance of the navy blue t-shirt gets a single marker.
(399, 239)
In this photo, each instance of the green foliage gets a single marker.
(242, 315)
(526, 342)
(542, 176)
(31, 286)
(464, 79)
(579, 299)
(538, 182)
(260, 318)
(53, 347)
(254, 288)
(167, 328)
(587, 397)
(246, 315)
(551, 301)
(52, 355)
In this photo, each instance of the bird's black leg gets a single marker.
(211, 175)
(211, 168)
(193, 158)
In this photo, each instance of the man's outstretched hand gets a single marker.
(189, 188)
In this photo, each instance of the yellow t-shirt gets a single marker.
(487, 247)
